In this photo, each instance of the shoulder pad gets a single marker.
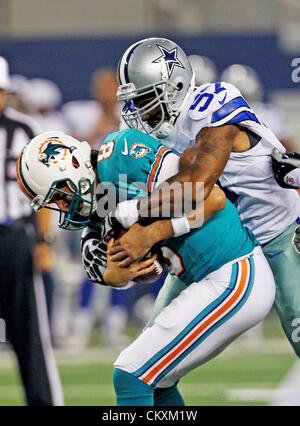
(220, 103)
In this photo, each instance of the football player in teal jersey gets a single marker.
(228, 286)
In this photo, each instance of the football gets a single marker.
(153, 276)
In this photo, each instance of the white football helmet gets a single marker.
(159, 68)
(52, 160)
(246, 79)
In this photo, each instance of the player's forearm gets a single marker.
(113, 278)
(215, 202)
(139, 240)
(158, 231)
(163, 229)
(187, 197)
(199, 169)
(43, 218)
(205, 161)
(176, 196)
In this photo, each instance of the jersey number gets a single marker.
(203, 100)
(106, 150)
(173, 261)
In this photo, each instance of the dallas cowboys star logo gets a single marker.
(170, 58)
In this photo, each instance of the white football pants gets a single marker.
(201, 321)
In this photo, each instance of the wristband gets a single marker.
(180, 225)
(127, 213)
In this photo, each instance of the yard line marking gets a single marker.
(249, 394)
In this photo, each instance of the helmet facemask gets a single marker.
(81, 202)
(161, 97)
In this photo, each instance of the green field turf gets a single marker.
(238, 379)
(238, 376)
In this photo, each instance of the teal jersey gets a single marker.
(221, 239)
(131, 161)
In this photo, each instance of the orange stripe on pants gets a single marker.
(203, 326)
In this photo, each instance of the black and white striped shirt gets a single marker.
(16, 130)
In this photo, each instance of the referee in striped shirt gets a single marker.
(22, 298)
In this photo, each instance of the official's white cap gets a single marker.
(4, 74)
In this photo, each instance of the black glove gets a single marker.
(282, 165)
(296, 239)
(93, 254)
(110, 228)
(93, 246)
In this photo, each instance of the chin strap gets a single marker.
(164, 130)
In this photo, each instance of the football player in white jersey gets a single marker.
(229, 284)
(222, 140)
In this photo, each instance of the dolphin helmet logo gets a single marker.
(53, 149)
(138, 150)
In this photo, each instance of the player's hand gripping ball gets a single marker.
(153, 276)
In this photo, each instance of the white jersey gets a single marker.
(265, 207)
(272, 117)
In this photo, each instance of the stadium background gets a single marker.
(65, 41)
